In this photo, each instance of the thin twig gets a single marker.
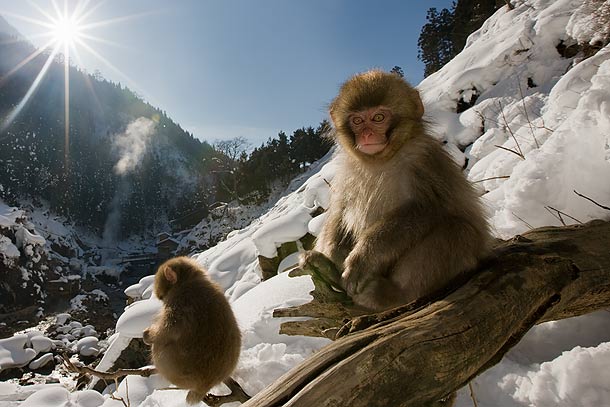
(490, 178)
(527, 117)
(527, 224)
(512, 151)
(555, 215)
(589, 199)
(510, 131)
(82, 369)
(559, 213)
(117, 398)
(474, 400)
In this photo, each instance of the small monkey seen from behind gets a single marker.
(195, 338)
(403, 220)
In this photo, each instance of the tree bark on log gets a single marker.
(415, 355)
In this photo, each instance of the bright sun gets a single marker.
(67, 30)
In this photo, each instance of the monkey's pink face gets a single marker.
(370, 127)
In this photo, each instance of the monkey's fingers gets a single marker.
(325, 290)
(320, 266)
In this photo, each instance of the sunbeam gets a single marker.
(65, 30)
(13, 114)
(30, 57)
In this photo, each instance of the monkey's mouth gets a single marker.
(372, 148)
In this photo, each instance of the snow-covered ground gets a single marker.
(540, 129)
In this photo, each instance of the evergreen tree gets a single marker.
(435, 44)
(446, 32)
(398, 71)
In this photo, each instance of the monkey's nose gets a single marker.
(367, 134)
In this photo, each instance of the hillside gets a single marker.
(127, 168)
(524, 108)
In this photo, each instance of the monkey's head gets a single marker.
(174, 272)
(375, 113)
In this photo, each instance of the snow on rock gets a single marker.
(88, 346)
(574, 157)
(25, 237)
(138, 290)
(8, 249)
(9, 215)
(61, 319)
(56, 396)
(587, 24)
(41, 343)
(13, 352)
(287, 228)
(137, 317)
(41, 361)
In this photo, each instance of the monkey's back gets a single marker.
(207, 350)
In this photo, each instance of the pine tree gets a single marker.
(435, 45)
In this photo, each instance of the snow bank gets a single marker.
(577, 378)
(527, 103)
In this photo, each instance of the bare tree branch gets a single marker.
(237, 393)
(82, 369)
(589, 199)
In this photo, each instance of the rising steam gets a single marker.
(131, 146)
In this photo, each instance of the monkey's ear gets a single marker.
(419, 105)
(170, 275)
(333, 114)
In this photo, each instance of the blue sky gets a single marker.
(225, 68)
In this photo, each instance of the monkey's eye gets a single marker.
(357, 120)
(379, 117)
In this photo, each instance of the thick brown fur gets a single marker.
(195, 338)
(405, 221)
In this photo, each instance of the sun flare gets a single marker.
(67, 30)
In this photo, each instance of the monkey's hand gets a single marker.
(147, 336)
(317, 263)
(325, 275)
(362, 266)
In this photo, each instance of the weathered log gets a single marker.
(415, 355)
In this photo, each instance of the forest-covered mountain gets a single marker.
(127, 166)
(123, 154)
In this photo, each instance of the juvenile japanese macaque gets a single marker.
(195, 338)
(403, 220)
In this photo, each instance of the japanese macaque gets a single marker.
(195, 338)
(403, 220)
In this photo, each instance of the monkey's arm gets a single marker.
(161, 332)
(334, 241)
(384, 242)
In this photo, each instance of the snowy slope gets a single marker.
(560, 125)
(558, 112)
